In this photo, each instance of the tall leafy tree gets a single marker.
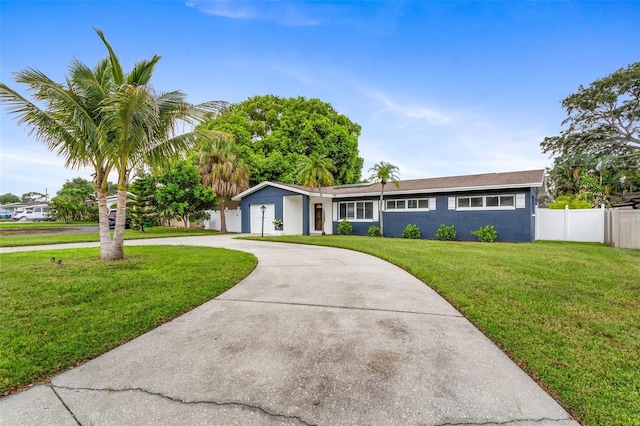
(273, 133)
(602, 119)
(180, 193)
(382, 173)
(223, 172)
(9, 198)
(314, 171)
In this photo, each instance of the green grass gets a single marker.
(567, 313)
(55, 316)
(10, 223)
(130, 234)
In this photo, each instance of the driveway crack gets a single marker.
(508, 422)
(257, 408)
(353, 308)
(64, 404)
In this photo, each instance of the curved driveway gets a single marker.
(315, 336)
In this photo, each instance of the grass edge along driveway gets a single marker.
(55, 316)
(567, 313)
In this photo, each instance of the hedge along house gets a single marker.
(504, 200)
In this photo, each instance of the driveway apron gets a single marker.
(314, 336)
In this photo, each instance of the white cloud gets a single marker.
(34, 169)
(283, 13)
(409, 112)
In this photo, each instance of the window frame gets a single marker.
(406, 202)
(355, 208)
(484, 206)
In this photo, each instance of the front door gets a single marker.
(318, 216)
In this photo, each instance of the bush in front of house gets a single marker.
(411, 232)
(488, 234)
(374, 231)
(345, 227)
(446, 233)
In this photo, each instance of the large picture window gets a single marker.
(355, 210)
(486, 202)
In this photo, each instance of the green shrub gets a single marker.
(345, 227)
(374, 231)
(446, 233)
(488, 234)
(573, 201)
(411, 231)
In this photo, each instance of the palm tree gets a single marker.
(314, 171)
(384, 172)
(223, 172)
(109, 120)
(70, 121)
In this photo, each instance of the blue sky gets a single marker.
(439, 88)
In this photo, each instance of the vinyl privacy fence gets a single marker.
(618, 228)
(622, 228)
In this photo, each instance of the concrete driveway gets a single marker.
(314, 336)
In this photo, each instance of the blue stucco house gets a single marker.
(504, 200)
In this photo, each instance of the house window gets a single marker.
(496, 202)
(411, 204)
(355, 210)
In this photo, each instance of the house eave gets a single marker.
(440, 190)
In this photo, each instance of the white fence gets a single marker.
(622, 228)
(618, 228)
(586, 225)
(233, 218)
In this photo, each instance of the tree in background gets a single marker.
(314, 171)
(180, 194)
(67, 208)
(603, 119)
(273, 133)
(143, 207)
(223, 172)
(9, 198)
(592, 179)
(382, 173)
(33, 197)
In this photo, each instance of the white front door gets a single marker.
(256, 218)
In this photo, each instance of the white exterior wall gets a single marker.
(256, 219)
(233, 217)
(292, 220)
(326, 205)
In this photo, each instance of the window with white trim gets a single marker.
(355, 210)
(496, 202)
(410, 204)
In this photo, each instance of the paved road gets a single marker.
(314, 336)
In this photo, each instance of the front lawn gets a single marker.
(54, 316)
(567, 313)
(32, 235)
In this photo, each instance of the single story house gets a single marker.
(504, 200)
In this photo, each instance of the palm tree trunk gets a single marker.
(380, 204)
(105, 236)
(223, 219)
(117, 245)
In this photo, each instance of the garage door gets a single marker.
(256, 218)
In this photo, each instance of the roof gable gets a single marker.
(289, 187)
